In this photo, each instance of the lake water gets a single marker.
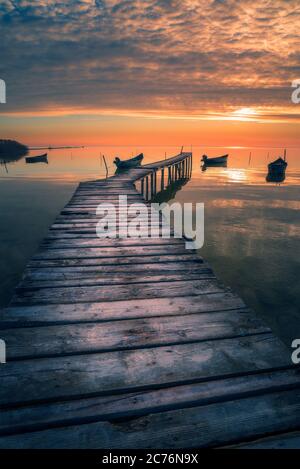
(252, 227)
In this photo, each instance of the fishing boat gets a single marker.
(276, 170)
(37, 159)
(131, 163)
(216, 161)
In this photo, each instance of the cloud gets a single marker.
(183, 56)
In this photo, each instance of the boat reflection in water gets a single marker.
(276, 170)
(216, 165)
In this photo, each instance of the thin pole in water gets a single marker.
(105, 165)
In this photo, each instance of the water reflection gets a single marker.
(10, 152)
(252, 233)
(170, 191)
(205, 166)
(252, 227)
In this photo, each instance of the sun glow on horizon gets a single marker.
(245, 113)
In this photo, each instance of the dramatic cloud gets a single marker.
(176, 57)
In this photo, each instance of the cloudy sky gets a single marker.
(109, 66)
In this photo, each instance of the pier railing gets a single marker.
(163, 174)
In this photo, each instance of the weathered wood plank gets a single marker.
(69, 234)
(116, 292)
(280, 441)
(105, 242)
(45, 254)
(122, 335)
(68, 273)
(84, 375)
(213, 425)
(117, 279)
(111, 311)
(126, 260)
(118, 218)
(116, 407)
(92, 225)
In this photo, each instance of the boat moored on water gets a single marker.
(37, 159)
(216, 161)
(131, 163)
(276, 170)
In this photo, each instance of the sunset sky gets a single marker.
(150, 72)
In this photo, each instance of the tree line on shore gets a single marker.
(11, 150)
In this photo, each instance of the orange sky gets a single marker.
(93, 130)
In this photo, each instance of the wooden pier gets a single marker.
(134, 343)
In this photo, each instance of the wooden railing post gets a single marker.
(142, 187)
(147, 187)
(151, 184)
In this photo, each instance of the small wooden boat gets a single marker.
(276, 170)
(131, 163)
(218, 160)
(37, 159)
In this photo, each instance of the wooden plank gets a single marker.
(116, 407)
(92, 253)
(241, 419)
(107, 192)
(289, 440)
(116, 279)
(116, 292)
(83, 214)
(91, 226)
(83, 210)
(93, 203)
(125, 335)
(68, 273)
(145, 227)
(105, 242)
(124, 260)
(105, 311)
(61, 234)
(84, 375)
(93, 217)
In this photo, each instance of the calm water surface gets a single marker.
(252, 227)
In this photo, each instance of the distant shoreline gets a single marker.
(55, 148)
